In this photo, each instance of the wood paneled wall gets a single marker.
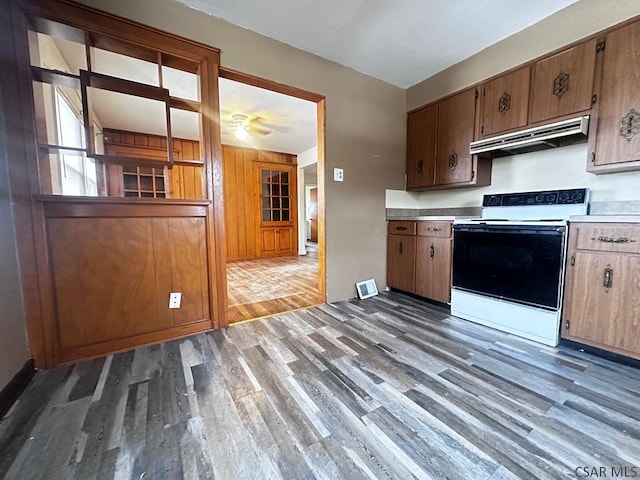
(185, 181)
(113, 266)
(240, 202)
(241, 197)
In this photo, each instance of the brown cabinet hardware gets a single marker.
(420, 167)
(400, 248)
(433, 229)
(607, 278)
(614, 239)
(561, 84)
(630, 124)
(504, 103)
(401, 228)
(431, 251)
(573, 260)
(567, 324)
(453, 160)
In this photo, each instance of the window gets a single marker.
(77, 173)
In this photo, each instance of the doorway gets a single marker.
(273, 149)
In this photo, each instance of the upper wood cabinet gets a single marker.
(616, 143)
(421, 147)
(504, 103)
(438, 138)
(563, 83)
(456, 128)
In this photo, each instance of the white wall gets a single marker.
(547, 170)
(552, 169)
(306, 158)
(13, 338)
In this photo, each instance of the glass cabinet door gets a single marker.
(275, 195)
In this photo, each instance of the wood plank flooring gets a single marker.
(266, 286)
(389, 387)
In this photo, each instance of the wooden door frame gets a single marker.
(319, 100)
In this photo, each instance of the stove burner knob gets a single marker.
(539, 198)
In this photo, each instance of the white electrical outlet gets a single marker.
(338, 175)
(174, 299)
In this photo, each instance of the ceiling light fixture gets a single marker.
(241, 123)
(241, 132)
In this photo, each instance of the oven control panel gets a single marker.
(575, 196)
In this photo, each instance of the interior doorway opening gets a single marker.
(273, 157)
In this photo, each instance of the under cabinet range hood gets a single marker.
(532, 139)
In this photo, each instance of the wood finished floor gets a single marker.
(386, 388)
(266, 286)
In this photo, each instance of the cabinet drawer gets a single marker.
(609, 237)
(434, 229)
(402, 227)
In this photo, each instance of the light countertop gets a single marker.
(605, 218)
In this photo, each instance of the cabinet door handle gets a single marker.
(433, 229)
(607, 279)
(432, 251)
(614, 239)
(401, 228)
(400, 248)
(420, 167)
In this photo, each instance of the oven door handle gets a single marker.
(516, 230)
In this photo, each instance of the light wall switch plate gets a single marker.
(174, 299)
(338, 175)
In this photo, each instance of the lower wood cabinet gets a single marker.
(419, 258)
(401, 262)
(277, 241)
(602, 289)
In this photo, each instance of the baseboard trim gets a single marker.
(16, 386)
(599, 352)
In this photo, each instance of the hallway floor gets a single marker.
(266, 286)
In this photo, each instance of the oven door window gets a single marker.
(518, 263)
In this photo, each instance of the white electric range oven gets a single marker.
(508, 266)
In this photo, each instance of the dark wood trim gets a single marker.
(322, 235)
(135, 161)
(189, 163)
(120, 85)
(120, 200)
(211, 150)
(72, 355)
(185, 104)
(64, 79)
(125, 209)
(16, 386)
(92, 19)
(247, 79)
(17, 102)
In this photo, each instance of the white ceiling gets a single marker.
(400, 42)
(291, 122)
